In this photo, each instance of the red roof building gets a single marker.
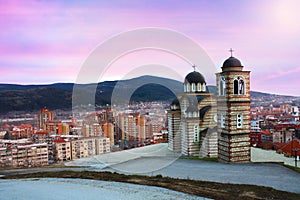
(289, 148)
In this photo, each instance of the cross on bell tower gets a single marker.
(231, 51)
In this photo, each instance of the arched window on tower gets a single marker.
(241, 87)
(238, 86)
(222, 86)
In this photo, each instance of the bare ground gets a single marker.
(195, 187)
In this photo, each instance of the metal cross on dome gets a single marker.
(231, 50)
(194, 66)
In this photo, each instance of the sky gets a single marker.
(45, 42)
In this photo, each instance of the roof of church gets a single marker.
(232, 62)
(194, 77)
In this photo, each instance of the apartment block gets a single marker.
(24, 155)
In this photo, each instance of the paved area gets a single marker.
(53, 188)
(157, 159)
(264, 174)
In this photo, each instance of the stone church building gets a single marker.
(202, 124)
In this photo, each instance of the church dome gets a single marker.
(232, 62)
(194, 77)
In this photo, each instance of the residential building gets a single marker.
(24, 155)
(86, 147)
(44, 116)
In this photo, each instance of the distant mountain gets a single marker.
(65, 86)
(59, 95)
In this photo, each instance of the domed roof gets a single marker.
(232, 62)
(175, 102)
(194, 77)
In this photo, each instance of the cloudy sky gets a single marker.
(48, 41)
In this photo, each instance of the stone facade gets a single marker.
(233, 88)
(192, 119)
(174, 117)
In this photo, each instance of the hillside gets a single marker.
(59, 95)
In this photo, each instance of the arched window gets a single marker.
(199, 87)
(203, 87)
(188, 87)
(241, 87)
(222, 86)
(195, 114)
(193, 87)
(238, 86)
(196, 133)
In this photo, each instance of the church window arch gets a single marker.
(193, 87)
(199, 87)
(188, 87)
(204, 87)
(195, 114)
(239, 86)
(222, 86)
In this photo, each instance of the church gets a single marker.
(203, 124)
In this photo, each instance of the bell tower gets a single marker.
(233, 90)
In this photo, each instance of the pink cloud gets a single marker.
(46, 34)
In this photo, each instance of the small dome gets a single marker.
(232, 62)
(175, 105)
(175, 102)
(194, 77)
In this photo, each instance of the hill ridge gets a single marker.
(15, 97)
